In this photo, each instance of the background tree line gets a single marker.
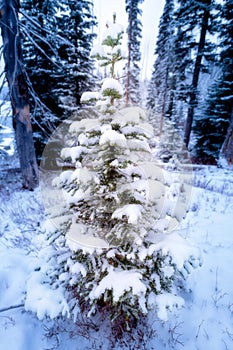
(190, 88)
(191, 84)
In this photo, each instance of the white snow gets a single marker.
(138, 145)
(167, 302)
(82, 175)
(89, 96)
(6, 138)
(79, 236)
(132, 212)
(78, 268)
(152, 189)
(120, 281)
(98, 50)
(179, 249)
(113, 30)
(104, 106)
(44, 301)
(140, 129)
(155, 172)
(203, 322)
(117, 50)
(113, 138)
(73, 152)
(84, 124)
(111, 84)
(130, 115)
(64, 178)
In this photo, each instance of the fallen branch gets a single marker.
(11, 307)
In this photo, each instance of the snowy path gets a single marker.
(206, 321)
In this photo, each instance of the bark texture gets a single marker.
(196, 73)
(18, 92)
(227, 148)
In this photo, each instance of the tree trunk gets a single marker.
(164, 101)
(18, 92)
(128, 66)
(196, 73)
(172, 88)
(227, 148)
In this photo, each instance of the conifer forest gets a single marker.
(116, 183)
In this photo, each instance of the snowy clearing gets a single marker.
(204, 322)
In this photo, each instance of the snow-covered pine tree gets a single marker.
(75, 22)
(204, 9)
(58, 38)
(38, 28)
(109, 247)
(132, 69)
(211, 126)
(162, 100)
(161, 89)
(180, 45)
(193, 49)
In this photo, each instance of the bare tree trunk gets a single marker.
(172, 88)
(18, 92)
(227, 148)
(127, 85)
(164, 102)
(196, 73)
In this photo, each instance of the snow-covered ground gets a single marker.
(204, 323)
(7, 146)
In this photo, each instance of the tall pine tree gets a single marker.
(211, 125)
(133, 72)
(38, 25)
(163, 97)
(58, 43)
(203, 11)
(182, 52)
(160, 90)
(76, 28)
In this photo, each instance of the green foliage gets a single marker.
(112, 92)
(112, 42)
(109, 53)
(112, 250)
(108, 239)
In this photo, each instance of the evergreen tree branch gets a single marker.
(4, 309)
(38, 25)
(27, 34)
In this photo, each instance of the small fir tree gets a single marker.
(108, 54)
(111, 247)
